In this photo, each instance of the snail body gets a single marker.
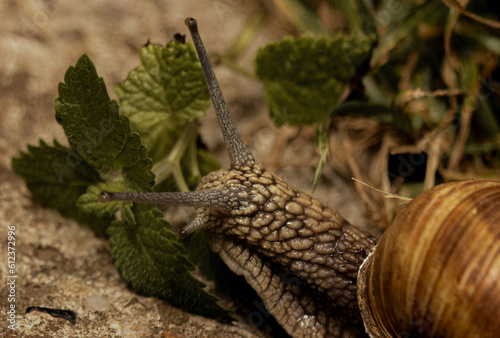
(302, 258)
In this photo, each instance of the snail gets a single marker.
(317, 274)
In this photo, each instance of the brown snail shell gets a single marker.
(436, 270)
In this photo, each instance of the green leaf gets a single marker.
(95, 129)
(163, 94)
(152, 261)
(89, 201)
(147, 254)
(139, 176)
(303, 78)
(56, 176)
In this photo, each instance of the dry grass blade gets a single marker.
(460, 8)
(402, 199)
(416, 94)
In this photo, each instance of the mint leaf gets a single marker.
(147, 254)
(163, 94)
(95, 129)
(304, 77)
(153, 262)
(162, 97)
(56, 176)
(139, 176)
(89, 201)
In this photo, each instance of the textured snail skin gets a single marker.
(277, 233)
(438, 264)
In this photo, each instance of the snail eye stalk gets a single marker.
(238, 152)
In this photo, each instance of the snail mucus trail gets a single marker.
(267, 230)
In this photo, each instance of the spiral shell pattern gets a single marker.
(436, 270)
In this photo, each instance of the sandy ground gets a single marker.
(60, 264)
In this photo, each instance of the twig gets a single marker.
(389, 195)
(453, 4)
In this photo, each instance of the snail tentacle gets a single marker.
(224, 199)
(238, 152)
